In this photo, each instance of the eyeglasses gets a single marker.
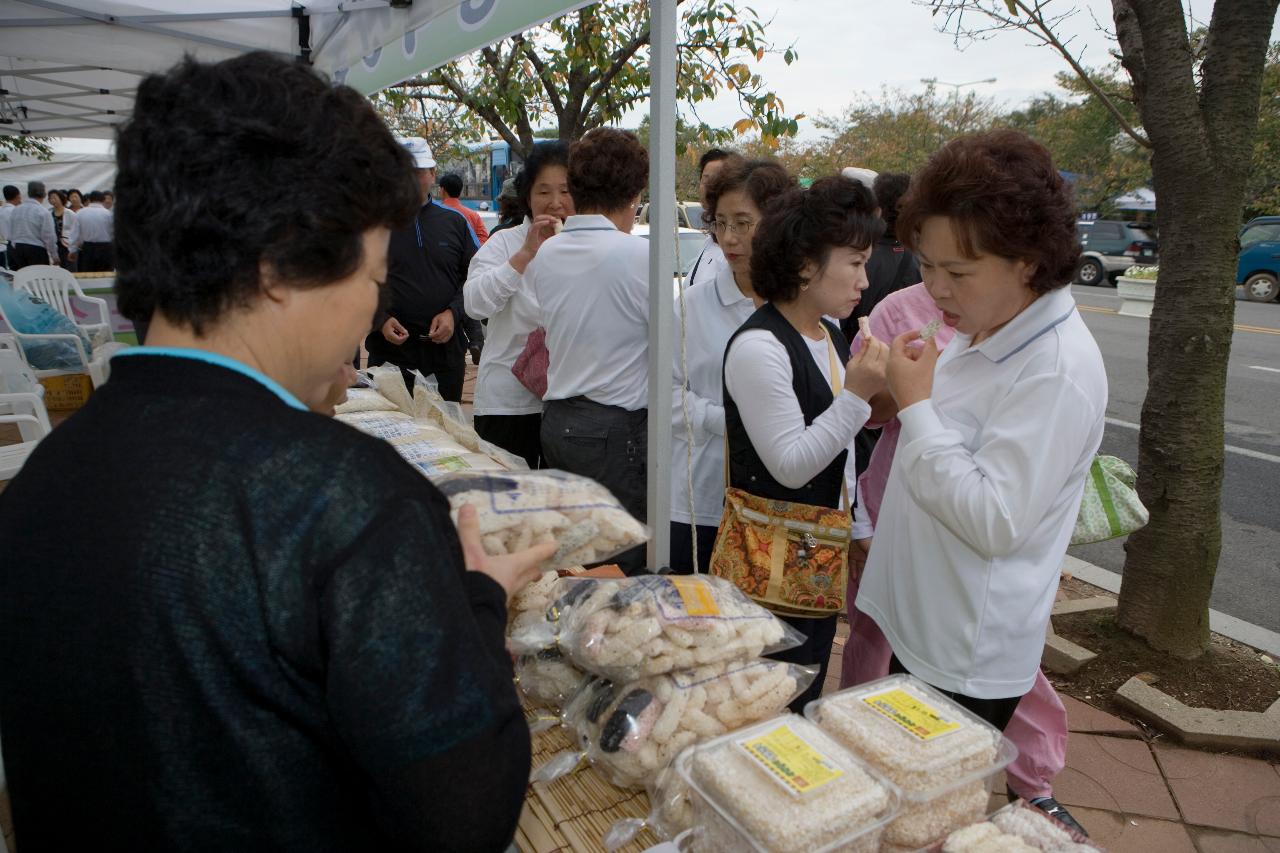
(740, 228)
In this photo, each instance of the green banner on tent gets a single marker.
(455, 32)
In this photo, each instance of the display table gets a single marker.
(574, 812)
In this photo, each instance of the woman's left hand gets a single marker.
(910, 370)
(513, 572)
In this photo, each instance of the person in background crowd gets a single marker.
(288, 646)
(1039, 725)
(714, 310)
(591, 285)
(32, 239)
(497, 290)
(62, 219)
(866, 177)
(75, 200)
(710, 259)
(790, 437)
(92, 231)
(892, 267)
(509, 212)
(12, 198)
(997, 433)
(451, 188)
(427, 265)
(108, 199)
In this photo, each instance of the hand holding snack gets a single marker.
(513, 572)
(864, 375)
(910, 372)
(540, 229)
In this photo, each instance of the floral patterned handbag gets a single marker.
(790, 557)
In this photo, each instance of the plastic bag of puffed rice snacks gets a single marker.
(631, 732)
(942, 757)
(630, 628)
(1018, 826)
(518, 509)
(784, 786)
(670, 813)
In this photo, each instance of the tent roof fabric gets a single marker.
(71, 67)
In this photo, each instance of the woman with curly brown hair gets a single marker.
(793, 397)
(591, 285)
(997, 432)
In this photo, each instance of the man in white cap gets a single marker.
(426, 266)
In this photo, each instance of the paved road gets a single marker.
(1248, 582)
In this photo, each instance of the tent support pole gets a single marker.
(662, 225)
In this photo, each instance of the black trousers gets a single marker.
(518, 434)
(443, 361)
(819, 637)
(96, 257)
(997, 712)
(682, 547)
(609, 445)
(25, 255)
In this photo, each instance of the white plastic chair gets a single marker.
(56, 286)
(26, 339)
(27, 410)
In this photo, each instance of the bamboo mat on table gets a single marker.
(572, 814)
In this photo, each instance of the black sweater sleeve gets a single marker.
(419, 683)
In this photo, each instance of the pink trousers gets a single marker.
(1038, 727)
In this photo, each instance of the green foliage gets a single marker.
(1262, 195)
(591, 67)
(30, 146)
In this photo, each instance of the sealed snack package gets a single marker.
(985, 838)
(670, 812)
(647, 723)
(635, 627)
(546, 677)
(941, 756)
(364, 400)
(1037, 830)
(784, 786)
(518, 509)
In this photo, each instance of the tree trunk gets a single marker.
(1202, 142)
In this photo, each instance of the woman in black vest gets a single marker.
(789, 434)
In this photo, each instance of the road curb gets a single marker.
(1228, 626)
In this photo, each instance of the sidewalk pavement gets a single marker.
(1135, 796)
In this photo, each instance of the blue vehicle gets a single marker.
(1258, 268)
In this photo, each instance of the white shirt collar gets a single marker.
(1036, 319)
(589, 222)
(727, 288)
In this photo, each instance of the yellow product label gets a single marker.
(915, 715)
(791, 760)
(696, 596)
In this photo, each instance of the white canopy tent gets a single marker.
(70, 68)
(86, 164)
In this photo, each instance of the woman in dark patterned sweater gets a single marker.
(259, 629)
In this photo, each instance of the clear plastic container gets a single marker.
(784, 786)
(943, 758)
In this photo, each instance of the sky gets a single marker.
(848, 47)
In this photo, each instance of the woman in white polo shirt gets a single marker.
(713, 308)
(998, 432)
(507, 413)
(591, 283)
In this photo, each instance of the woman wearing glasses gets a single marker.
(713, 309)
(791, 437)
